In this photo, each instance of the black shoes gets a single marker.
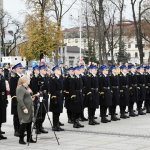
(105, 120)
(141, 112)
(114, 118)
(2, 137)
(16, 134)
(22, 142)
(43, 131)
(2, 132)
(83, 119)
(123, 116)
(31, 141)
(77, 125)
(57, 129)
(61, 124)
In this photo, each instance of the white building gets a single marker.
(73, 40)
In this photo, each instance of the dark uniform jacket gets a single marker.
(105, 90)
(147, 78)
(124, 90)
(141, 87)
(3, 100)
(56, 91)
(13, 85)
(133, 90)
(92, 91)
(114, 82)
(75, 90)
(43, 87)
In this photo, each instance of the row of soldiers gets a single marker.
(104, 87)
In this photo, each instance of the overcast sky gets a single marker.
(17, 8)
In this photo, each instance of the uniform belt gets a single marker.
(115, 87)
(106, 88)
(142, 84)
(134, 84)
(94, 89)
(125, 86)
(79, 91)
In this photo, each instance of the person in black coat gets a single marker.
(76, 97)
(124, 91)
(84, 80)
(3, 103)
(141, 89)
(56, 100)
(18, 69)
(133, 90)
(43, 87)
(114, 81)
(92, 94)
(67, 94)
(147, 100)
(105, 93)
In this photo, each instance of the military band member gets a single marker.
(67, 94)
(18, 69)
(114, 81)
(141, 89)
(35, 89)
(3, 103)
(124, 91)
(133, 90)
(43, 82)
(147, 100)
(92, 94)
(84, 80)
(75, 90)
(105, 93)
(56, 100)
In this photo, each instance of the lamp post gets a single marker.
(80, 30)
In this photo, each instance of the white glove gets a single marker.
(25, 111)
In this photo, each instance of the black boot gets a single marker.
(80, 125)
(2, 137)
(21, 141)
(91, 122)
(105, 120)
(75, 125)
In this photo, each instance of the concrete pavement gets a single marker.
(128, 134)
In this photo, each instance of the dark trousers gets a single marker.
(76, 117)
(56, 119)
(16, 123)
(112, 110)
(131, 106)
(40, 120)
(122, 110)
(139, 105)
(103, 111)
(91, 113)
(69, 114)
(25, 127)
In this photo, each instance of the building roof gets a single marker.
(74, 49)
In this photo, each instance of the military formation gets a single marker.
(76, 88)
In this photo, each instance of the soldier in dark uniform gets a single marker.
(84, 80)
(141, 89)
(124, 91)
(67, 94)
(3, 103)
(76, 97)
(105, 93)
(56, 100)
(114, 81)
(147, 100)
(92, 94)
(35, 89)
(18, 69)
(43, 83)
(133, 91)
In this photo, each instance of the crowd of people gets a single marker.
(75, 88)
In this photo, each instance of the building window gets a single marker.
(143, 54)
(136, 54)
(76, 40)
(69, 41)
(129, 45)
(70, 57)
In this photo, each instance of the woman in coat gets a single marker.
(24, 108)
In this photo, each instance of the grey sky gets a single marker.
(17, 9)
